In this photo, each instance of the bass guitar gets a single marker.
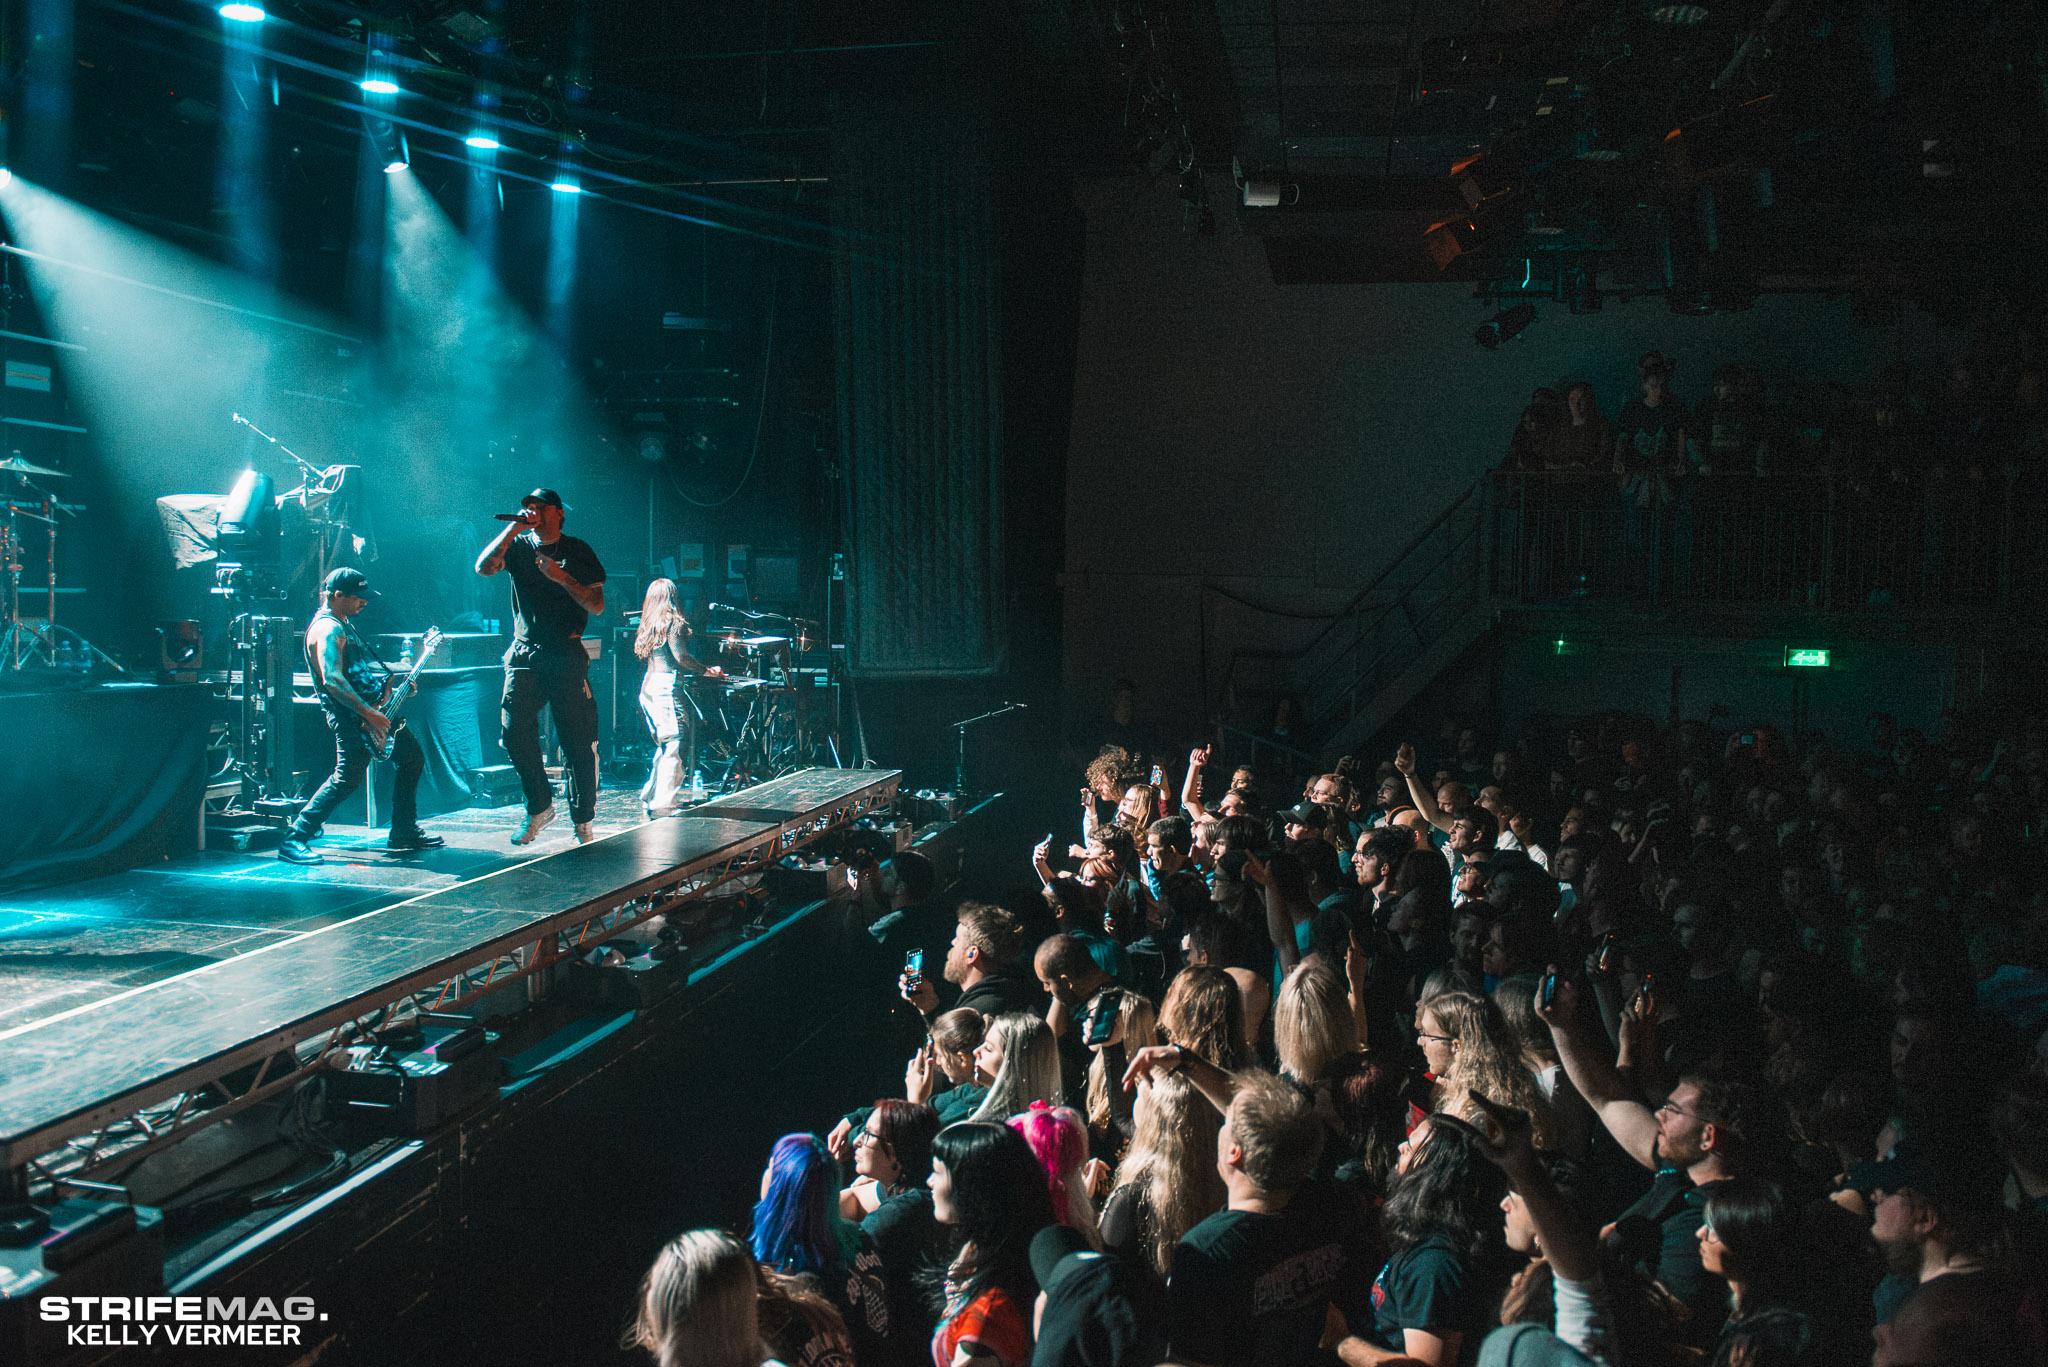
(408, 684)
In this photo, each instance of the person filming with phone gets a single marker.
(1711, 1129)
(979, 962)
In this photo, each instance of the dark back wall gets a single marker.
(1285, 442)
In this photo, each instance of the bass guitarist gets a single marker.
(351, 687)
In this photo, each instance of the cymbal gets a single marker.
(16, 465)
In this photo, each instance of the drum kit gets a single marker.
(766, 718)
(34, 639)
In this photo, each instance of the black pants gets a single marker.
(351, 762)
(561, 683)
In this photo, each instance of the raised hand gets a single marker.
(919, 992)
(1404, 758)
(920, 1077)
(1508, 1135)
(1153, 1059)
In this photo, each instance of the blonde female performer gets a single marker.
(664, 642)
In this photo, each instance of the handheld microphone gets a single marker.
(509, 517)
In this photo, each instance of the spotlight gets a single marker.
(5, 175)
(565, 184)
(1504, 326)
(651, 432)
(482, 142)
(243, 14)
(377, 85)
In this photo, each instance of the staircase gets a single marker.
(1964, 562)
(1407, 626)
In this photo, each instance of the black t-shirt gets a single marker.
(1660, 1235)
(1650, 434)
(546, 617)
(859, 1291)
(1102, 1313)
(1253, 1288)
(1426, 1287)
(1126, 1225)
(905, 1235)
(997, 993)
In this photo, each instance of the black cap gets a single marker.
(1309, 814)
(547, 496)
(1944, 1170)
(1052, 1254)
(345, 579)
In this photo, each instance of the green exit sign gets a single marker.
(1805, 657)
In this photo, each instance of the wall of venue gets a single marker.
(1280, 443)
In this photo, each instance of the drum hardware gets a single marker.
(32, 640)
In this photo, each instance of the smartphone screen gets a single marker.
(1549, 988)
(913, 963)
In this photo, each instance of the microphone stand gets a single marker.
(310, 474)
(960, 728)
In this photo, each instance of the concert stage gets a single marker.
(125, 1081)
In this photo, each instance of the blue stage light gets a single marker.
(243, 14)
(482, 142)
(566, 185)
(378, 86)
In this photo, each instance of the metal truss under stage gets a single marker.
(118, 1078)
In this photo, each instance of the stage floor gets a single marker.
(66, 946)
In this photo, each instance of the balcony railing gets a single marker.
(1820, 541)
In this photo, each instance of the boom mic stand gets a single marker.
(960, 728)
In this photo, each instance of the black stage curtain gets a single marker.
(454, 717)
(918, 310)
(100, 780)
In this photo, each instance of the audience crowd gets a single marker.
(1980, 420)
(1667, 1046)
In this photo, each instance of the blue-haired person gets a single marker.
(799, 1232)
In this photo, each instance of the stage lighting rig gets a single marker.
(1505, 326)
(250, 543)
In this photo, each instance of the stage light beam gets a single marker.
(482, 142)
(243, 14)
(377, 85)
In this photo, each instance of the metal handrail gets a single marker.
(1450, 552)
(1359, 600)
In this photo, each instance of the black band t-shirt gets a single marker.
(547, 618)
(1249, 1289)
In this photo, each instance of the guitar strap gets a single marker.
(354, 635)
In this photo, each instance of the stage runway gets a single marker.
(156, 985)
(65, 946)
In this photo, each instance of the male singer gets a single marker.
(557, 583)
